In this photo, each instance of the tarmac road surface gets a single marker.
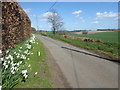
(81, 68)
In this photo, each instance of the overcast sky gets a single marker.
(76, 15)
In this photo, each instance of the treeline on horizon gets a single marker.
(85, 30)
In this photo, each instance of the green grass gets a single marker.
(36, 32)
(38, 64)
(109, 37)
(51, 33)
(109, 49)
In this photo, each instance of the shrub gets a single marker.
(84, 32)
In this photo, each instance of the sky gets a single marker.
(76, 15)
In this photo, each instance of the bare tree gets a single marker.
(56, 21)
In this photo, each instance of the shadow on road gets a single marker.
(91, 54)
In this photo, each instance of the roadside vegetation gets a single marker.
(107, 47)
(25, 66)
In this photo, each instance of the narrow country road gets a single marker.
(81, 68)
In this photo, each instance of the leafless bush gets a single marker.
(56, 21)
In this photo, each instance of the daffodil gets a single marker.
(7, 51)
(0, 87)
(25, 76)
(6, 66)
(36, 73)
(1, 59)
(8, 61)
(29, 65)
(0, 51)
(20, 62)
(24, 71)
(38, 53)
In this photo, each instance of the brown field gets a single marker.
(92, 32)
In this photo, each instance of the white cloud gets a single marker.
(105, 15)
(95, 22)
(27, 10)
(48, 14)
(44, 16)
(98, 13)
(77, 12)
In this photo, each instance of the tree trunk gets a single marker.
(54, 30)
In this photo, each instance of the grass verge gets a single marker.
(109, 50)
(38, 70)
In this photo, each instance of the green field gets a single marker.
(110, 37)
(109, 46)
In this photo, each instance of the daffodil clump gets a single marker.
(13, 69)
